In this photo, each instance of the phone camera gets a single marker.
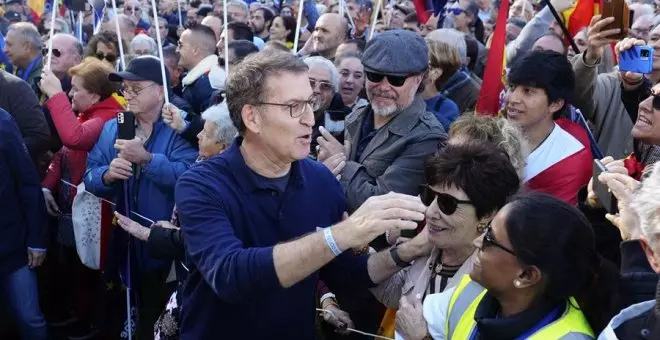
(644, 53)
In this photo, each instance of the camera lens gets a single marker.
(645, 53)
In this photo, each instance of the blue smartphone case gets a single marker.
(638, 59)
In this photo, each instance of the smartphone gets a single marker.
(638, 59)
(125, 125)
(605, 196)
(410, 233)
(622, 16)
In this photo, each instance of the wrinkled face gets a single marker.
(549, 43)
(494, 268)
(68, 55)
(321, 84)
(351, 79)
(142, 49)
(455, 230)
(528, 106)
(654, 41)
(81, 99)
(521, 9)
(327, 35)
(208, 145)
(16, 48)
(237, 14)
(647, 126)
(142, 96)
(278, 31)
(641, 29)
(387, 99)
(257, 21)
(285, 137)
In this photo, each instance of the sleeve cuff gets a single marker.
(157, 160)
(39, 250)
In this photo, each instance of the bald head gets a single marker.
(330, 31)
(71, 51)
(215, 24)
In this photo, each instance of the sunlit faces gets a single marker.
(451, 230)
(320, 82)
(647, 126)
(654, 40)
(327, 33)
(386, 99)
(278, 31)
(287, 138)
(528, 106)
(351, 79)
(208, 144)
(142, 96)
(237, 13)
(81, 99)
(549, 43)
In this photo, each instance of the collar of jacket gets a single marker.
(401, 123)
(337, 109)
(456, 80)
(203, 67)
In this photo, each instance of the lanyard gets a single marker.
(544, 322)
(25, 74)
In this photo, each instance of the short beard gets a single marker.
(387, 111)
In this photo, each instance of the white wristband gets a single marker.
(327, 233)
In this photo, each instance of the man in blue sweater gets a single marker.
(250, 217)
(23, 232)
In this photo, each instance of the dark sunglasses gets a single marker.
(109, 57)
(455, 10)
(396, 81)
(447, 203)
(131, 9)
(325, 86)
(656, 100)
(56, 53)
(490, 241)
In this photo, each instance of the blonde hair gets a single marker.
(499, 131)
(646, 203)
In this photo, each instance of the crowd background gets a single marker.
(482, 118)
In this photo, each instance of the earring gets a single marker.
(481, 227)
(517, 283)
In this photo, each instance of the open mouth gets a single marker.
(511, 112)
(642, 121)
(436, 228)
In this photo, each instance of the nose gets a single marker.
(513, 96)
(307, 117)
(478, 242)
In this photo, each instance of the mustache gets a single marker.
(383, 94)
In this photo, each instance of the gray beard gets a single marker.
(385, 111)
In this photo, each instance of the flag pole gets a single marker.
(52, 32)
(374, 20)
(226, 24)
(298, 25)
(160, 53)
(120, 42)
(563, 27)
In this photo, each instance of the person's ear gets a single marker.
(251, 119)
(528, 277)
(651, 256)
(556, 106)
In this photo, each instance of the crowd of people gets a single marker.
(323, 171)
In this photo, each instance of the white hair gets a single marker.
(451, 37)
(240, 3)
(29, 32)
(641, 10)
(225, 131)
(145, 39)
(327, 64)
(646, 203)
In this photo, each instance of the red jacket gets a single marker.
(78, 134)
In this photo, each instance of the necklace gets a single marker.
(437, 267)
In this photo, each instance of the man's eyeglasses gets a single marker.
(324, 85)
(130, 9)
(56, 53)
(396, 81)
(490, 241)
(109, 57)
(447, 203)
(296, 109)
(455, 10)
(134, 92)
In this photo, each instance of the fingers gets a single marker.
(396, 200)
(598, 23)
(619, 186)
(607, 160)
(326, 134)
(121, 164)
(402, 214)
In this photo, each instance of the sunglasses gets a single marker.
(455, 10)
(447, 203)
(132, 9)
(396, 81)
(656, 100)
(56, 53)
(489, 240)
(109, 57)
(324, 85)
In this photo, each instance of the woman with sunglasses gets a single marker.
(105, 47)
(466, 185)
(537, 275)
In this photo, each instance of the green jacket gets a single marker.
(33, 74)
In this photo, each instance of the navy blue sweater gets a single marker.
(231, 220)
(22, 209)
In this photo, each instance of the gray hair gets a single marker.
(65, 25)
(328, 66)
(240, 3)
(451, 37)
(29, 33)
(646, 203)
(145, 39)
(225, 131)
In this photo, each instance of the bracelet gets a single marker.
(397, 260)
(327, 232)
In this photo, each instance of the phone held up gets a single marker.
(603, 193)
(410, 233)
(125, 125)
(638, 59)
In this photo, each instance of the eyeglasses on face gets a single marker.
(489, 240)
(323, 85)
(109, 57)
(135, 91)
(56, 53)
(447, 203)
(396, 81)
(296, 109)
(455, 10)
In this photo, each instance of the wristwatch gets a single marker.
(395, 256)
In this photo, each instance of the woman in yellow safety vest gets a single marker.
(537, 276)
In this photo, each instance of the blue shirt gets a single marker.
(231, 220)
(444, 109)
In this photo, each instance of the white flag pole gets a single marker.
(374, 20)
(226, 34)
(178, 5)
(121, 48)
(80, 26)
(52, 32)
(298, 25)
(160, 52)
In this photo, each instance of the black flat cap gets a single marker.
(396, 53)
(13, 17)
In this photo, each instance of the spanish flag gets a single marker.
(580, 15)
(494, 79)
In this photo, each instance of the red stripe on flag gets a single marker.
(488, 102)
(423, 13)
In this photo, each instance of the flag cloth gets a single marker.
(37, 8)
(580, 15)
(5, 64)
(494, 75)
(423, 8)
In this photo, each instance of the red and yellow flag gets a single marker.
(580, 15)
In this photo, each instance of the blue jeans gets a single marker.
(19, 289)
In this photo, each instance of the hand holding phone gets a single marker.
(636, 59)
(603, 193)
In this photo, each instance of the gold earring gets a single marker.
(481, 227)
